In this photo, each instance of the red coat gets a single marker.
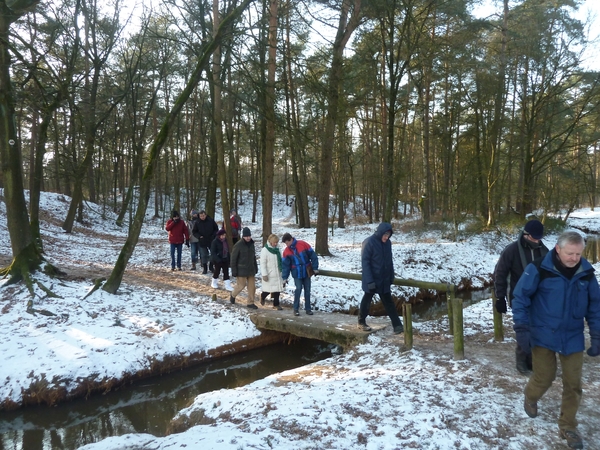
(178, 231)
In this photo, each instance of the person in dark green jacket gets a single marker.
(244, 267)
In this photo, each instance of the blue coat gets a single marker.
(376, 260)
(554, 307)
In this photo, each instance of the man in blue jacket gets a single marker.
(378, 276)
(552, 299)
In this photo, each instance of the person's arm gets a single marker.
(501, 273)
(235, 254)
(365, 262)
(285, 267)
(170, 224)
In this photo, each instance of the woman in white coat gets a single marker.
(270, 269)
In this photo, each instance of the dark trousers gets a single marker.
(274, 296)
(388, 304)
(218, 266)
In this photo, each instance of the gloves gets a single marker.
(265, 278)
(501, 305)
(372, 287)
(594, 350)
(523, 337)
(187, 243)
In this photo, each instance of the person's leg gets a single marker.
(306, 285)
(251, 290)
(172, 256)
(544, 373)
(297, 292)
(275, 297)
(225, 267)
(239, 286)
(194, 252)
(263, 297)
(217, 270)
(179, 248)
(363, 311)
(571, 366)
(390, 309)
(204, 258)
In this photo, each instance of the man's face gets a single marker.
(386, 236)
(288, 243)
(531, 238)
(247, 238)
(202, 216)
(570, 254)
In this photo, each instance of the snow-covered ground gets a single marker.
(375, 396)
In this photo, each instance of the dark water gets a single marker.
(146, 407)
(434, 309)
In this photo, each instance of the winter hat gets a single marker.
(535, 229)
(194, 213)
(246, 232)
(221, 232)
(174, 214)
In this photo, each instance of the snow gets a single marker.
(375, 396)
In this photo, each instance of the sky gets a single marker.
(375, 396)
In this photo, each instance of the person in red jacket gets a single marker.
(178, 234)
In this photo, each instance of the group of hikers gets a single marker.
(552, 293)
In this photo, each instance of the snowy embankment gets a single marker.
(372, 396)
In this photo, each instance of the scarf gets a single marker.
(225, 248)
(275, 251)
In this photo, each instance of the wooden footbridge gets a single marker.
(342, 329)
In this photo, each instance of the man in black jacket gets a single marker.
(509, 268)
(244, 267)
(205, 230)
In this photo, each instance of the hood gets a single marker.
(383, 228)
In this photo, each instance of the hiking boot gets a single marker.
(530, 408)
(278, 308)
(399, 329)
(522, 366)
(204, 269)
(172, 269)
(179, 269)
(252, 306)
(309, 313)
(364, 327)
(232, 299)
(193, 266)
(572, 437)
(262, 300)
(296, 312)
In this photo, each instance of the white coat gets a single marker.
(270, 269)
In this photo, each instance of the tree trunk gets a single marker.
(114, 281)
(345, 29)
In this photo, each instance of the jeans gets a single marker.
(388, 304)
(544, 373)
(204, 254)
(178, 248)
(194, 248)
(300, 284)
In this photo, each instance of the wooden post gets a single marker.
(214, 297)
(449, 297)
(498, 326)
(408, 330)
(459, 338)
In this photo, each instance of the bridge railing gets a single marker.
(455, 308)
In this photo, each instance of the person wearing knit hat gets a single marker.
(220, 256)
(511, 265)
(244, 267)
